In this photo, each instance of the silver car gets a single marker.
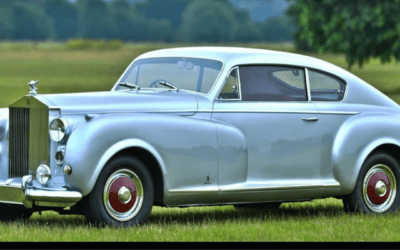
(202, 126)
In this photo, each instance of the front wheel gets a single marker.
(376, 187)
(123, 194)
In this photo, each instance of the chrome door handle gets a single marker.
(311, 119)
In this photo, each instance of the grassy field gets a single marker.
(317, 221)
(63, 71)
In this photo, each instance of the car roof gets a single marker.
(231, 56)
(358, 90)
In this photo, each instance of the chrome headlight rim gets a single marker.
(60, 134)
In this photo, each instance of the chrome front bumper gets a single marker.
(26, 195)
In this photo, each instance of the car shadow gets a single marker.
(229, 213)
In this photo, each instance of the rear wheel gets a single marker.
(10, 212)
(376, 187)
(123, 194)
(266, 205)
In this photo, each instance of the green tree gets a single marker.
(170, 10)
(208, 21)
(277, 29)
(6, 19)
(64, 16)
(362, 29)
(95, 20)
(30, 21)
(127, 24)
(160, 30)
(245, 29)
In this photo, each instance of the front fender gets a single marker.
(183, 144)
(355, 141)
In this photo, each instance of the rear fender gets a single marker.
(355, 141)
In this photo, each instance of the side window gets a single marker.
(272, 83)
(231, 88)
(325, 87)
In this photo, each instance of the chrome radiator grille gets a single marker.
(28, 138)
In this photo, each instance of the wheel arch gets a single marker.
(387, 145)
(391, 149)
(144, 152)
(360, 200)
(153, 166)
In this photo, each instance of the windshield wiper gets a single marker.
(169, 85)
(129, 85)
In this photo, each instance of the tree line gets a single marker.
(153, 20)
(362, 29)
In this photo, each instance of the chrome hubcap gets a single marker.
(379, 188)
(123, 195)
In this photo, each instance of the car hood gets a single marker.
(113, 101)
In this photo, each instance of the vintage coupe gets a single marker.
(202, 126)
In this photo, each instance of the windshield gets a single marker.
(191, 74)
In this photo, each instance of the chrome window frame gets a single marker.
(238, 80)
(333, 76)
(308, 96)
(307, 84)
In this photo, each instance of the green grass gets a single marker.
(319, 220)
(62, 71)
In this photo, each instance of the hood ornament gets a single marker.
(33, 84)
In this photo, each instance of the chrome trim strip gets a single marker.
(287, 187)
(288, 111)
(259, 189)
(308, 85)
(195, 190)
(229, 111)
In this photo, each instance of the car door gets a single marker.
(270, 107)
(327, 92)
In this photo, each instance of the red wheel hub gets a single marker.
(114, 195)
(373, 192)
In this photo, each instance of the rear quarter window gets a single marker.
(325, 87)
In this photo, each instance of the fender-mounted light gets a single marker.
(67, 169)
(43, 174)
(60, 155)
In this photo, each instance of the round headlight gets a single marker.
(58, 129)
(43, 174)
